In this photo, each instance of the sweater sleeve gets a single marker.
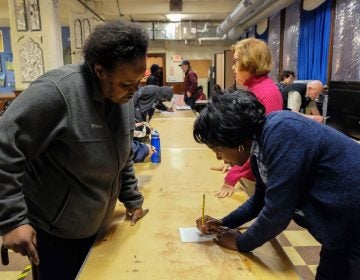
(246, 212)
(129, 192)
(28, 126)
(289, 161)
(237, 172)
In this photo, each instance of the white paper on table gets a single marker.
(184, 107)
(192, 234)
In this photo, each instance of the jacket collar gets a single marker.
(250, 83)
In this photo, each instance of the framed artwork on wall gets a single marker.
(20, 15)
(34, 19)
(31, 60)
(86, 29)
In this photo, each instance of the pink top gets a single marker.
(266, 92)
(269, 95)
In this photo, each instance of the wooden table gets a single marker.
(7, 96)
(173, 190)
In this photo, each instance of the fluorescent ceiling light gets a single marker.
(174, 17)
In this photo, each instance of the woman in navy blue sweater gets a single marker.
(304, 171)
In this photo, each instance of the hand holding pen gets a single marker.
(225, 237)
(205, 223)
(210, 225)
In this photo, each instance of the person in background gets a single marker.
(217, 90)
(300, 97)
(287, 78)
(154, 78)
(252, 63)
(190, 84)
(142, 151)
(149, 98)
(304, 171)
(65, 153)
(166, 94)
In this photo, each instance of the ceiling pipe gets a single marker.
(244, 9)
(278, 5)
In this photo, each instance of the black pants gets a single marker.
(60, 259)
(340, 264)
(190, 101)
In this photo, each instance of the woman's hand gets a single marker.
(210, 225)
(225, 190)
(227, 238)
(136, 214)
(22, 240)
(223, 168)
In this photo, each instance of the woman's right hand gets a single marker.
(22, 240)
(210, 225)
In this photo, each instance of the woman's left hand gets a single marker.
(227, 238)
(136, 214)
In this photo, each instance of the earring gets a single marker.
(241, 148)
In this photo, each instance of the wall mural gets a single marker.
(31, 60)
(55, 3)
(27, 15)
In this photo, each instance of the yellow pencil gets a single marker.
(203, 211)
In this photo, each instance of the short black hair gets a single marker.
(154, 68)
(229, 119)
(115, 42)
(287, 74)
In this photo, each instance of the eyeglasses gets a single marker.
(235, 60)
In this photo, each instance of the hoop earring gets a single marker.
(241, 148)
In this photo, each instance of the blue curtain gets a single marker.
(314, 41)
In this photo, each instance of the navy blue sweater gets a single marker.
(310, 167)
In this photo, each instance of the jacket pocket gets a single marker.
(63, 205)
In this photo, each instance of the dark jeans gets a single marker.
(340, 264)
(60, 259)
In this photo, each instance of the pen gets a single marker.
(203, 211)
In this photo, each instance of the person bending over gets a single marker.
(65, 153)
(304, 171)
(287, 78)
(300, 97)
